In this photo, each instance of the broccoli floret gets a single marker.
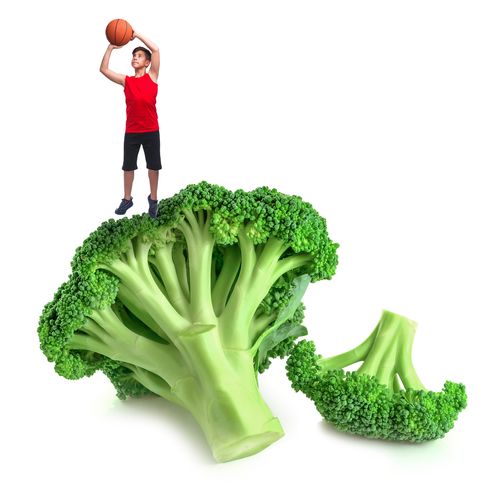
(190, 306)
(370, 401)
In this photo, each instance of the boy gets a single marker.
(142, 120)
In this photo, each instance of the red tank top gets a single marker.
(140, 96)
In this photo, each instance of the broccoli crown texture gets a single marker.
(370, 401)
(191, 305)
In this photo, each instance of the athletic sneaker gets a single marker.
(153, 207)
(124, 206)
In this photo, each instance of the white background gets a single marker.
(383, 114)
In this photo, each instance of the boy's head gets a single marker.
(141, 58)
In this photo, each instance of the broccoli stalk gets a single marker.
(385, 354)
(192, 305)
(216, 385)
(370, 401)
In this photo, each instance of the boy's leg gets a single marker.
(151, 147)
(128, 180)
(131, 146)
(153, 183)
(153, 197)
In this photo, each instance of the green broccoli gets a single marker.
(370, 401)
(192, 305)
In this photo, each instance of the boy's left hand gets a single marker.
(133, 34)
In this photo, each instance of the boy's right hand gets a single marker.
(111, 46)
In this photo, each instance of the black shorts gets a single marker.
(150, 142)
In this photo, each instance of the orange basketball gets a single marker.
(118, 32)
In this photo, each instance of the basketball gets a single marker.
(118, 32)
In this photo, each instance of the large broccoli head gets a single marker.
(189, 306)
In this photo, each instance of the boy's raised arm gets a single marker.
(114, 77)
(155, 54)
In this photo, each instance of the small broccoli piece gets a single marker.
(370, 401)
(192, 305)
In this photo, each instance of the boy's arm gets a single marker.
(155, 55)
(114, 77)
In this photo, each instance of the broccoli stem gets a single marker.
(227, 276)
(106, 334)
(395, 384)
(289, 263)
(200, 265)
(222, 394)
(405, 368)
(137, 278)
(163, 260)
(381, 359)
(348, 358)
(232, 413)
(181, 268)
(216, 385)
(255, 279)
(261, 322)
(129, 300)
(155, 384)
(386, 354)
(200, 244)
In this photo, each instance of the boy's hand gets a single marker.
(133, 34)
(111, 46)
